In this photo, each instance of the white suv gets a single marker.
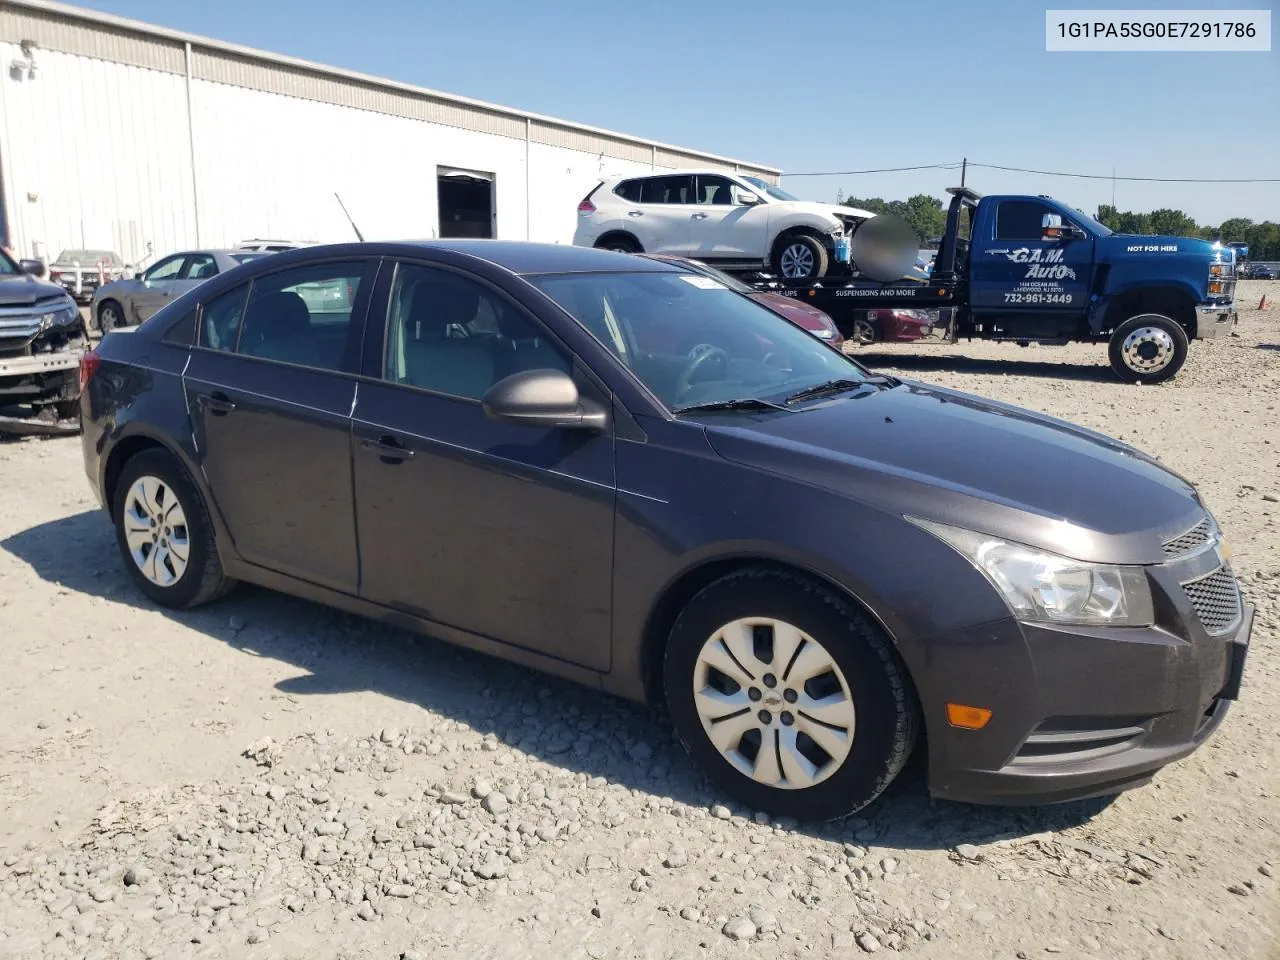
(727, 219)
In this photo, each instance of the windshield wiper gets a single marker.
(741, 403)
(839, 385)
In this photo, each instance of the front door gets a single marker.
(1016, 273)
(721, 228)
(270, 389)
(502, 530)
(157, 286)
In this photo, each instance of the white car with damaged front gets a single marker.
(730, 220)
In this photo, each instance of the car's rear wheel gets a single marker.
(800, 256)
(788, 695)
(164, 532)
(1148, 348)
(110, 316)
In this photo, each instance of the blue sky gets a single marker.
(876, 84)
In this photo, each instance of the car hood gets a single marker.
(798, 312)
(24, 290)
(837, 210)
(1133, 243)
(955, 458)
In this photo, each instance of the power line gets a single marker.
(850, 173)
(1042, 173)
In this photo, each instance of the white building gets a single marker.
(116, 134)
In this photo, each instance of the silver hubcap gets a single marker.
(864, 332)
(155, 528)
(1147, 350)
(774, 703)
(109, 318)
(797, 261)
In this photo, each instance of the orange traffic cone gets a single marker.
(1264, 303)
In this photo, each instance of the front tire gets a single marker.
(164, 532)
(800, 256)
(110, 316)
(788, 696)
(619, 244)
(1148, 348)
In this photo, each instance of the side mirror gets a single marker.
(745, 198)
(1052, 228)
(543, 398)
(33, 267)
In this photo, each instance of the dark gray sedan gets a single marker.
(127, 302)
(619, 471)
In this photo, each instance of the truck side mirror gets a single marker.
(1052, 228)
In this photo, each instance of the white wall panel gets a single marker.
(103, 148)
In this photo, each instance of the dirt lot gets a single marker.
(404, 798)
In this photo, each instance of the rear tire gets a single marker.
(774, 629)
(800, 256)
(164, 533)
(619, 244)
(1148, 348)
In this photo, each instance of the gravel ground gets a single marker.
(269, 778)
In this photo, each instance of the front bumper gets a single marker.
(1081, 713)
(1215, 320)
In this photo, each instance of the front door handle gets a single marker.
(388, 449)
(635, 213)
(219, 404)
(699, 216)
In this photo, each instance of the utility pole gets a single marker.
(1113, 187)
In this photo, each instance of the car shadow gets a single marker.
(956, 363)
(344, 653)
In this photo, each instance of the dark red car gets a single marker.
(801, 314)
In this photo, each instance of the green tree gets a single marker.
(925, 214)
(1173, 223)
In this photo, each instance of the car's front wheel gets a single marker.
(164, 532)
(110, 317)
(788, 695)
(800, 256)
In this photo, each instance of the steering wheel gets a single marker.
(701, 357)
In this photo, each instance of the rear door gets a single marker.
(157, 286)
(270, 388)
(661, 219)
(723, 229)
(501, 530)
(1015, 272)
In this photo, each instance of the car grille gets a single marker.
(1191, 541)
(1216, 598)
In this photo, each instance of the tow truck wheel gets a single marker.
(110, 316)
(1148, 348)
(800, 256)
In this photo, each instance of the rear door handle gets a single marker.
(699, 216)
(388, 449)
(635, 213)
(219, 404)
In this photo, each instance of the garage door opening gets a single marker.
(466, 203)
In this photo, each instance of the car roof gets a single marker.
(523, 257)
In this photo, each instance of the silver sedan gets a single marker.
(125, 303)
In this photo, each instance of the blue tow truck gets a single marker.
(1027, 269)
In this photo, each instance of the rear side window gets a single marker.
(1020, 220)
(303, 315)
(182, 332)
(677, 189)
(220, 320)
(629, 190)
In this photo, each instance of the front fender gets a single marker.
(1105, 317)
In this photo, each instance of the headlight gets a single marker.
(64, 314)
(1045, 588)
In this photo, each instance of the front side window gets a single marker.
(303, 315)
(715, 191)
(692, 340)
(450, 334)
(677, 189)
(169, 269)
(1020, 220)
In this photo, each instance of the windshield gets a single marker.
(85, 256)
(733, 283)
(691, 340)
(776, 192)
(1089, 223)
